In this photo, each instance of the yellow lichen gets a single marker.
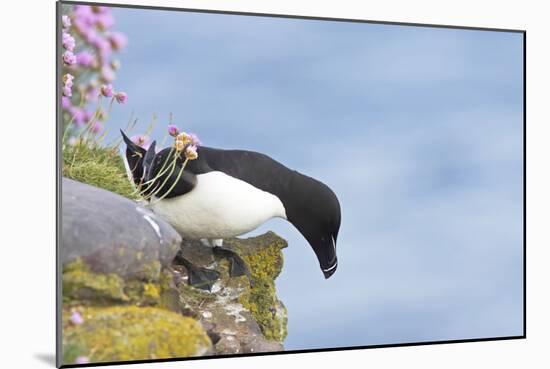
(142, 294)
(150, 271)
(125, 333)
(80, 283)
(261, 300)
(150, 290)
(82, 286)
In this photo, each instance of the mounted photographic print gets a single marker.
(247, 184)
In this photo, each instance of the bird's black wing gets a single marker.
(255, 168)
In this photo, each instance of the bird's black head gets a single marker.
(139, 160)
(315, 211)
(160, 174)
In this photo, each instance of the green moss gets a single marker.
(103, 167)
(79, 283)
(261, 300)
(132, 333)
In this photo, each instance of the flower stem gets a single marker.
(173, 184)
(162, 170)
(172, 167)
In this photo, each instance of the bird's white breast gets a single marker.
(219, 206)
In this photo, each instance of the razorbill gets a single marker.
(226, 193)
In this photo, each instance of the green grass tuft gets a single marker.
(98, 166)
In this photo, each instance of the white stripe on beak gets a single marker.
(332, 267)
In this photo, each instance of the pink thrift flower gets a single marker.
(66, 21)
(87, 115)
(191, 152)
(96, 127)
(84, 14)
(81, 26)
(118, 40)
(83, 20)
(77, 115)
(195, 139)
(100, 9)
(65, 102)
(121, 97)
(173, 130)
(68, 41)
(76, 318)
(67, 91)
(69, 58)
(107, 90)
(179, 145)
(90, 35)
(82, 360)
(104, 21)
(141, 140)
(102, 44)
(84, 59)
(68, 80)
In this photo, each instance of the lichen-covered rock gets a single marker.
(245, 319)
(79, 283)
(131, 333)
(265, 260)
(112, 234)
(81, 286)
(119, 271)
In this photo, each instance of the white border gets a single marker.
(28, 182)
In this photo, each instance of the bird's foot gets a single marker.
(237, 266)
(202, 278)
(199, 277)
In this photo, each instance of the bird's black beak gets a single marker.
(324, 246)
(134, 157)
(129, 142)
(328, 272)
(328, 261)
(148, 160)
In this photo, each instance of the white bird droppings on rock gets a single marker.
(235, 310)
(148, 216)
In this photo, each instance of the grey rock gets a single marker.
(113, 234)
